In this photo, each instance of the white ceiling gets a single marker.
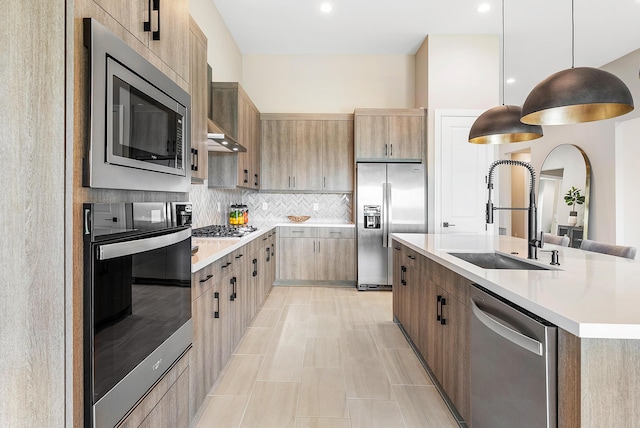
(537, 33)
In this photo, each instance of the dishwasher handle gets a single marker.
(508, 333)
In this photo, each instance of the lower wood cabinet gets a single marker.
(431, 303)
(316, 254)
(227, 295)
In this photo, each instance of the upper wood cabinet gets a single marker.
(389, 135)
(307, 152)
(172, 21)
(198, 87)
(235, 113)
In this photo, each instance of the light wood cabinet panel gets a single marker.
(277, 137)
(336, 260)
(389, 134)
(337, 156)
(198, 88)
(306, 162)
(406, 139)
(173, 409)
(371, 137)
(307, 152)
(297, 259)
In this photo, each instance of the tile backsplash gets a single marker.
(275, 207)
(211, 206)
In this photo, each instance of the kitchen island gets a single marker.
(593, 299)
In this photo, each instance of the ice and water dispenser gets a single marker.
(372, 216)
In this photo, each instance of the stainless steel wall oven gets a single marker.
(137, 303)
(140, 125)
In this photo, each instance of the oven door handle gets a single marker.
(119, 249)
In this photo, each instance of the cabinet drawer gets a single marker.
(202, 280)
(337, 232)
(298, 232)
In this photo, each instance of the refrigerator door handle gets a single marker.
(389, 213)
(385, 225)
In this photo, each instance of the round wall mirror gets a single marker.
(563, 195)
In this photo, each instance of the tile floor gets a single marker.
(317, 357)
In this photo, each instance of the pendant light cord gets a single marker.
(503, 55)
(573, 37)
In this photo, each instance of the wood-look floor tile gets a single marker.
(367, 378)
(290, 333)
(323, 352)
(275, 301)
(324, 326)
(422, 406)
(266, 318)
(295, 313)
(222, 411)
(239, 375)
(299, 296)
(255, 341)
(322, 293)
(282, 362)
(375, 414)
(277, 289)
(322, 393)
(358, 344)
(272, 405)
(322, 423)
(403, 367)
(323, 307)
(388, 335)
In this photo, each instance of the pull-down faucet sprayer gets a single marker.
(532, 238)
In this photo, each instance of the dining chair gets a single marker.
(563, 241)
(615, 250)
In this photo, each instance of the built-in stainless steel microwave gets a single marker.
(139, 134)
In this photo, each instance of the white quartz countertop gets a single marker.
(590, 295)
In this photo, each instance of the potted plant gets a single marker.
(571, 198)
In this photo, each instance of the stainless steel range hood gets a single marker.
(220, 141)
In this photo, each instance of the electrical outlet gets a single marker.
(265, 206)
(316, 206)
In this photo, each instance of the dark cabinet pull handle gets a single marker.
(233, 296)
(396, 248)
(206, 279)
(391, 152)
(216, 296)
(246, 176)
(226, 265)
(273, 250)
(156, 6)
(268, 254)
(443, 302)
(438, 316)
(403, 271)
(147, 23)
(235, 281)
(256, 181)
(238, 256)
(255, 267)
(194, 159)
(386, 153)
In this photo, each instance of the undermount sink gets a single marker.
(498, 261)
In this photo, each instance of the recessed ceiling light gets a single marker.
(511, 80)
(484, 7)
(224, 143)
(326, 7)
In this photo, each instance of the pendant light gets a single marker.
(500, 125)
(576, 95)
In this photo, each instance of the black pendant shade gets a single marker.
(501, 125)
(576, 95)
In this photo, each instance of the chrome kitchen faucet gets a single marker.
(532, 238)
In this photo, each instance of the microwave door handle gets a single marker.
(119, 249)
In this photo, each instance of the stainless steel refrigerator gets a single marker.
(390, 198)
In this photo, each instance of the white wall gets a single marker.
(223, 54)
(463, 72)
(627, 181)
(328, 83)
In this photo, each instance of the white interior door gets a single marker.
(460, 171)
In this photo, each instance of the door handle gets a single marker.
(391, 151)
(246, 176)
(447, 224)
(156, 7)
(216, 313)
(403, 271)
(386, 153)
(438, 309)
(208, 277)
(255, 267)
(256, 181)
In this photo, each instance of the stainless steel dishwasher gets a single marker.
(513, 365)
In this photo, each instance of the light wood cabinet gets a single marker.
(235, 113)
(389, 135)
(307, 152)
(430, 302)
(322, 254)
(198, 88)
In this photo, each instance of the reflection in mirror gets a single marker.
(565, 167)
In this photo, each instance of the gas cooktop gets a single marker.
(222, 231)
